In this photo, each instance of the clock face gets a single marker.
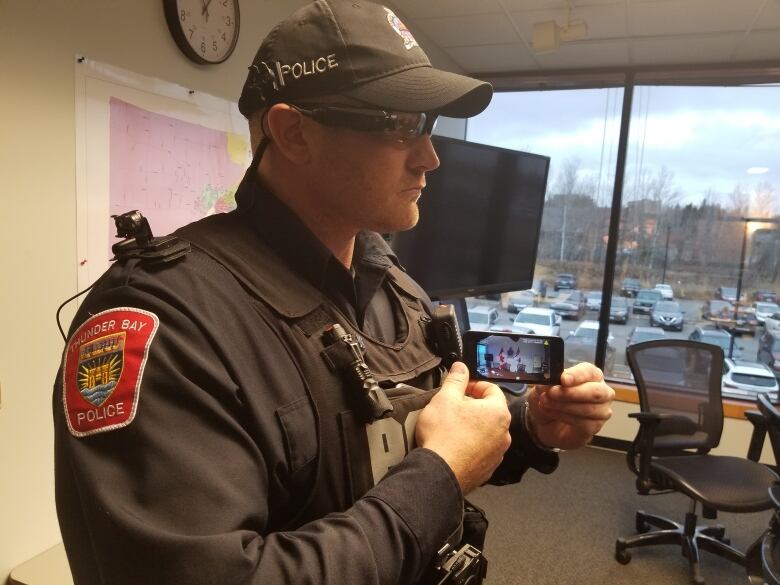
(205, 30)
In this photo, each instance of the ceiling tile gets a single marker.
(759, 46)
(479, 29)
(586, 55)
(604, 21)
(665, 17)
(522, 5)
(490, 58)
(709, 49)
(769, 17)
(440, 8)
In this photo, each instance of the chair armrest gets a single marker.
(673, 423)
(645, 440)
(758, 436)
(643, 445)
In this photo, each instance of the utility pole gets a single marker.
(563, 230)
(666, 254)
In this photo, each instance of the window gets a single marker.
(698, 209)
(579, 130)
(699, 160)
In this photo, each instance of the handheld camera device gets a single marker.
(513, 357)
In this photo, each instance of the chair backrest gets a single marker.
(772, 421)
(680, 378)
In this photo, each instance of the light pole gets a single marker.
(746, 221)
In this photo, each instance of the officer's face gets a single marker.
(372, 182)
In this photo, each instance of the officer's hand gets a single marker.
(467, 424)
(567, 416)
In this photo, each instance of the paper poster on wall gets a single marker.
(141, 143)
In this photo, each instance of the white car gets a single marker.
(747, 379)
(519, 300)
(772, 323)
(482, 317)
(541, 321)
(593, 300)
(666, 291)
(764, 310)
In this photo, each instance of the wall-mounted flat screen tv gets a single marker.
(480, 217)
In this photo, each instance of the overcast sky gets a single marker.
(710, 138)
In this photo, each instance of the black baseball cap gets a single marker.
(357, 49)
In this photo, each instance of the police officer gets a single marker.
(209, 424)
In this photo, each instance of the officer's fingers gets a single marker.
(484, 390)
(456, 381)
(581, 373)
(581, 410)
(595, 392)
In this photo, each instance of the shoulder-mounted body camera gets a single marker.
(139, 242)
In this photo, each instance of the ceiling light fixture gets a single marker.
(548, 36)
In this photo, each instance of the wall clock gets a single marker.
(206, 31)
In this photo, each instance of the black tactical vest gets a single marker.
(352, 455)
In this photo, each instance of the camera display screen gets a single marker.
(514, 358)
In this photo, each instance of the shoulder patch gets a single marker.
(104, 364)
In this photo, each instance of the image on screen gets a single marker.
(524, 358)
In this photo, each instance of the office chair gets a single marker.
(681, 420)
(762, 559)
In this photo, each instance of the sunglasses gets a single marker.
(399, 126)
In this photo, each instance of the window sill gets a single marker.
(731, 408)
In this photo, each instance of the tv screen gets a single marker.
(480, 217)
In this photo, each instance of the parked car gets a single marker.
(630, 287)
(714, 308)
(542, 321)
(747, 379)
(719, 337)
(762, 310)
(565, 281)
(511, 328)
(593, 300)
(767, 296)
(640, 334)
(618, 310)
(645, 299)
(726, 293)
(519, 300)
(481, 317)
(772, 323)
(666, 291)
(721, 313)
(571, 306)
(769, 351)
(580, 346)
(667, 315)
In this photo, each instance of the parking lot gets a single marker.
(620, 333)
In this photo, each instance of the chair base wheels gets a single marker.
(690, 537)
(622, 556)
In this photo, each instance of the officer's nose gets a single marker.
(422, 154)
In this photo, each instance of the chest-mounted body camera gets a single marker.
(139, 242)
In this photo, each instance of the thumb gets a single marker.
(457, 379)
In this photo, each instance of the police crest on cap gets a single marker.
(400, 28)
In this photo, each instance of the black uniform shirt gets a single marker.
(360, 293)
(220, 452)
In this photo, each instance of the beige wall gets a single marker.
(38, 41)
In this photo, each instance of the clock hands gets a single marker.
(205, 11)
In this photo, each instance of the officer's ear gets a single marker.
(289, 132)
